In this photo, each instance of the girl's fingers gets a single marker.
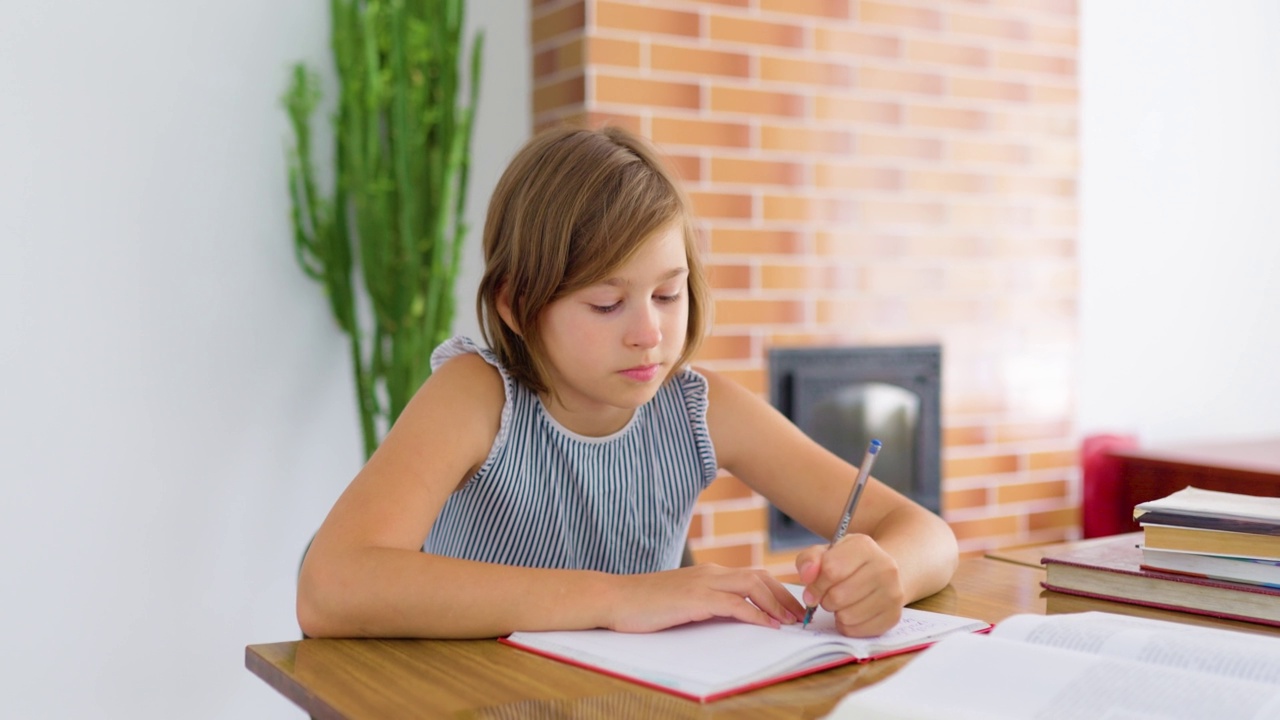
(784, 596)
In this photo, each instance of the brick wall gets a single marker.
(867, 172)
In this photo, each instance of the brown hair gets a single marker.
(573, 206)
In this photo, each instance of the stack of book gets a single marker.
(1200, 551)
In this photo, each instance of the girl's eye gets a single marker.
(667, 299)
(603, 309)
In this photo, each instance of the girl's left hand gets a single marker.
(857, 581)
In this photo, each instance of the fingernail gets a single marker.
(809, 599)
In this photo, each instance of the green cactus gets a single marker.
(386, 244)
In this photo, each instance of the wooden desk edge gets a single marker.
(280, 681)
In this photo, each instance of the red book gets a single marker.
(1113, 571)
(709, 660)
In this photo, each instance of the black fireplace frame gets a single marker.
(798, 374)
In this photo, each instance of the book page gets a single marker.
(708, 657)
(1207, 650)
(700, 658)
(1213, 503)
(967, 677)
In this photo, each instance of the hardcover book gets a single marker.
(1218, 567)
(1113, 571)
(1213, 542)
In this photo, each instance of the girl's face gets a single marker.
(610, 346)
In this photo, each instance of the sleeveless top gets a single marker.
(547, 497)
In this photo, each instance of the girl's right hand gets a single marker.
(655, 601)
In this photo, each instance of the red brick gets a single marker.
(899, 81)
(805, 140)
(1003, 28)
(557, 22)
(1030, 62)
(569, 92)
(725, 347)
(957, 436)
(857, 177)
(927, 51)
(645, 20)
(979, 466)
(755, 32)
(833, 9)
(758, 312)
(721, 205)
(903, 146)
(964, 499)
(854, 42)
(985, 527)
(827, 107)
(756, 172)
(1028, 492)
(899, 15)
(729, 277)
(673, 58)
(756, 241)
(935, 116)
(736, 522)
(805, 72)
(700, 133)
(608, 51)
(756, 102)
(638, 91)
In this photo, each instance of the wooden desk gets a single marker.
(484, 679)
(1030, 554)
(1251, 467)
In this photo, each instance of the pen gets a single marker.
(864, 472)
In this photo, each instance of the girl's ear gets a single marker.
(504, 310)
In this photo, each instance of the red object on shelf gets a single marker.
(1103, 510)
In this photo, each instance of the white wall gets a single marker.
(176, 414)
(1180, 242)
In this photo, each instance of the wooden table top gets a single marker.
(335, 678)
(484, 679)
(1030, 554)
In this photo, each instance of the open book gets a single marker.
(712, 659)
(1083, 665)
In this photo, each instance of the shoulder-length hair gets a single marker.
(574, 205)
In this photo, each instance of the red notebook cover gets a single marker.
(690, 641)
(772, 680)
(1115, 573)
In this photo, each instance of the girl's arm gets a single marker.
(365, 574)
(894, 552)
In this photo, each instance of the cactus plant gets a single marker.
(386, 243)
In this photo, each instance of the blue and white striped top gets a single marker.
(550, 498)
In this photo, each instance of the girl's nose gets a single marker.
(646, 329)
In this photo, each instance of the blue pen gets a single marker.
(864, 472)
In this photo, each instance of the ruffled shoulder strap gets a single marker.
(459, 345)
(693, 389)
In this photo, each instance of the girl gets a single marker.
(548, 482)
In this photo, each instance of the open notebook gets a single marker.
(709, 660)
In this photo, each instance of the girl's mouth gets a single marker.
(642, 373)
